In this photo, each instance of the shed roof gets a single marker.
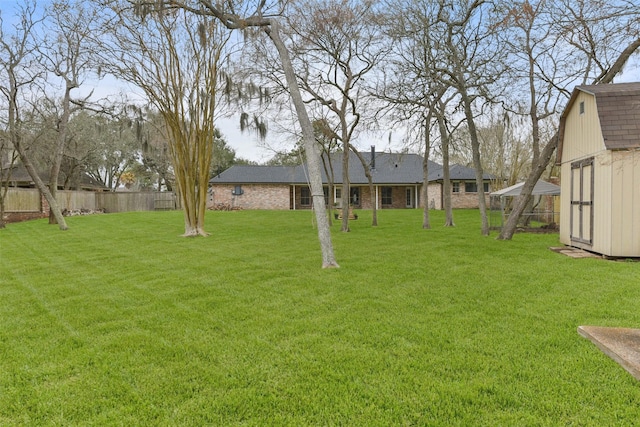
(618, 110)
(541, 188)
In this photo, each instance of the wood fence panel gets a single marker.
(28, 200)
(126, 202)
(75, 200)
(22, 200)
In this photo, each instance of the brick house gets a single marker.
(397, 179)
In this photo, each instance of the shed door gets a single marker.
(581, 218)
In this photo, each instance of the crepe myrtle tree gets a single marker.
(174, 56)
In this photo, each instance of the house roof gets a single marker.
(252, 174)
(541, 188)
(20, 177)
(618, 108)
(390, 169)
(456, 173)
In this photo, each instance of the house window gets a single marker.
(237, 190)
(471, 187)
(354, 198)
(305, 196)
(456, 187)
(325, 191)
(581, 107)
(387, 198)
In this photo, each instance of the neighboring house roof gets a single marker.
(20, 177)
(390, 169)
(618, 110)
(541, 188)
(456, 173)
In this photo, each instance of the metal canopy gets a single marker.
(542, 188)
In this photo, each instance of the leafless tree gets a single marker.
(20, 68)
(67, 54)
(335, 46)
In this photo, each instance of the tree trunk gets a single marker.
(367, 173)
(477, 164)
(346, 188)
(53, 203)
(313, 153)
(60, 144)
(446, 172)
(426, 221)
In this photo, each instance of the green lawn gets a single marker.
(118, 321)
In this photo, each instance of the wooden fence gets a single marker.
(20, 200)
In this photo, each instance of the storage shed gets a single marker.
(599, 155)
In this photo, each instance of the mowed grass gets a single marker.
(118, 321)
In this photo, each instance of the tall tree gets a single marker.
(471, 69)
(68, 56)
(336, 45)
(20, 69)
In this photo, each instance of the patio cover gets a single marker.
(541, 188)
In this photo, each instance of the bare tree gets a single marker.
(18, 63)
(335, 46)
(68, 56)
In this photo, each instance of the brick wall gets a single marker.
(254, 196)
(464, 200)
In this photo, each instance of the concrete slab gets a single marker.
(620, 344)
(574, 252)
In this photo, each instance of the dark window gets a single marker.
(581, 107)
(471, 187)
(305, 196)
(354, 199)
(387, 198)
(237, 190)
(325, 190)
(456, 187)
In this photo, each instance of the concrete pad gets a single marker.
(620, 344)
(574, 252)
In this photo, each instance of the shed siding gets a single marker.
(583, 139)
(603, 199)
(583, 136)
(625, 224)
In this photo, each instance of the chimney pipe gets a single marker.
(373, 157)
